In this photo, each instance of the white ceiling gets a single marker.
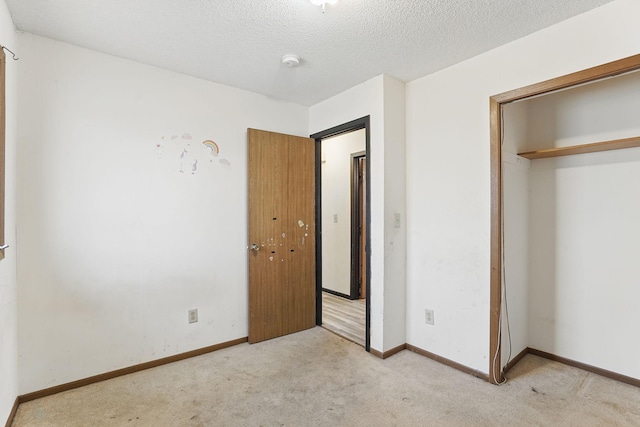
(240, 42)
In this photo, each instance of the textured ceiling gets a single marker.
(240, 42)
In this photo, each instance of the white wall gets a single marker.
(336, 208)
(600, 111)
(584, 210)
(119, 235)
(515, 170)
(448, 174)
(395, 204)
(366, 99)
(8, 289)
(375, 98)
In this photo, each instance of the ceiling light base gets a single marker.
(291, 61)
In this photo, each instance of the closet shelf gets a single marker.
(616, 144)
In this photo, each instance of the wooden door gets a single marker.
(282, 263)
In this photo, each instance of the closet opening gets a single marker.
(565, 162)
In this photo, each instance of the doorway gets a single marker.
(358, 225)
(343, 218)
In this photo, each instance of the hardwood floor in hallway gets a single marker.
(344, 317)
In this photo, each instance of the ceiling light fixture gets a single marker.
(291, 61)
(323, 3)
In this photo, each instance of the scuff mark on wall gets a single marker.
(196, 158)
(160, 149)
(182, 156)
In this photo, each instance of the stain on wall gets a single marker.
(193, 157)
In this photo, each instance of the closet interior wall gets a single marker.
(571, 230)
(515, 175)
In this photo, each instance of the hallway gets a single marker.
(344, 317)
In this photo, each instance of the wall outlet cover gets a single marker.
(193, 315)
(428, 317)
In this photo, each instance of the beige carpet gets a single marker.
(315, 378)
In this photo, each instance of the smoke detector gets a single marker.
(291, 61)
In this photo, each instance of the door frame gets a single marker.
(625, 65)
(356, 223)
(357, 124)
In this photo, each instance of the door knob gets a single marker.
(255, 247)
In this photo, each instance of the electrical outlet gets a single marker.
(428, 317)
(193, 315)
(335, 218)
